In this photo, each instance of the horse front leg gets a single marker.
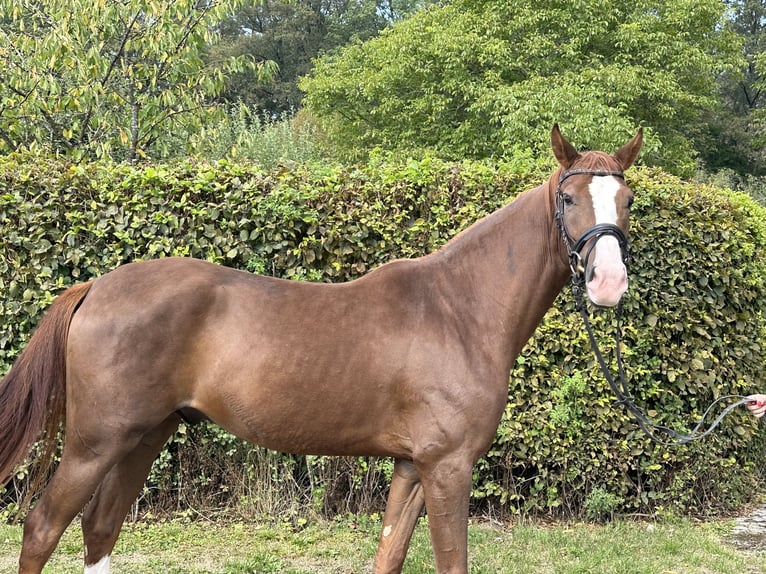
(447, 489)
(405, 502)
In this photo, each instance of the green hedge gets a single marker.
(693, 320)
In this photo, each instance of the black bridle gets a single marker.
(578, 265)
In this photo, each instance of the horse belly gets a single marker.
(325, 407)
(305, 424)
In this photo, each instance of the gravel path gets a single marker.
(750, 531)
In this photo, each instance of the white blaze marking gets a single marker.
(610, 278)
(100, 567)
(603, 193)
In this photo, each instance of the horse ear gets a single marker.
(628, 153)
(564, 151)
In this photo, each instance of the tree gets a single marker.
(737, 131)
(291, 34)
(481, 78)
(119, 78)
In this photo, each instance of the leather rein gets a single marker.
(578, 264)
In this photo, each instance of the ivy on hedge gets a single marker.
(693, 322)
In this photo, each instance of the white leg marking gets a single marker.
(100, 567)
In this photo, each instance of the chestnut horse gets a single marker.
(410, 361)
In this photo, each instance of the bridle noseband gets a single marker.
(578, 265)
(577, 262)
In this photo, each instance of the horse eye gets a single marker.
(567, 199)
(630, 201)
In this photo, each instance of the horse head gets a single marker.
(592, 210)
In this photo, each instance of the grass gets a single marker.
(347, 546)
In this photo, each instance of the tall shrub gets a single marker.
(693, 322)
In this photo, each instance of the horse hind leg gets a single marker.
(403, 508)
(105, 514)
(69, 489)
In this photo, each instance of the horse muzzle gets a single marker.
(606, 278)
(598, 259)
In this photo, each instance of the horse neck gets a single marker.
(508, 268)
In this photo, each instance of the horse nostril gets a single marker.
(590, 273)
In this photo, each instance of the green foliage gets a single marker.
(477, 78)
(110, 79)
(693, 325)
(244, 135)
(600, 505)
(292, 34)
(734, 134)
(567, 404)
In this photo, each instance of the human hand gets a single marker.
(757, 405)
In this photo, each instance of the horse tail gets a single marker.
(33, 392)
